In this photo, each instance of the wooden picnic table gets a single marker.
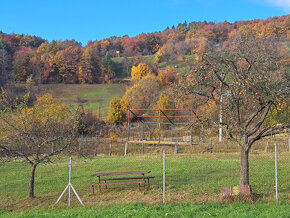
(107, 177)
(121, 173)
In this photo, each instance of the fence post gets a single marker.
(80, 147)
(289, 144)
(191, 136)
(99, 112)
(171, 132)
(164, 177)
(266, 146)
(142, 150)
(276, 171)
(126, 147)
(175, 148)
(96, 147)
(202, 133)
(69, 188)
(110, 149)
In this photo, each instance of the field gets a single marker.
(193, 183)
(92, 96)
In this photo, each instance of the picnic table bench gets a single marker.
(103, 178)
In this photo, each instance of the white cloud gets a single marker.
(284, 4)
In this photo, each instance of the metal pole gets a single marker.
(191, 136)
(99, 112)
(128, 131)
(159, 125)
(126, 147)
(276, 172)
(163, 177)
(69, 184)
(171, 132)
(142, 138)
(110, 149)
(221, 120)
(202, 132)
(128, 136)
(176, 148)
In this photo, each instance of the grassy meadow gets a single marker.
(239, 209)
(193, 183)
(92, 96)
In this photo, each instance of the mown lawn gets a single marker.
(238, 209)
(192, 180)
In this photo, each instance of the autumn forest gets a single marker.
(68, 61)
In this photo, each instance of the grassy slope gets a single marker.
(98, 96)
(95, 95)
(195, 178)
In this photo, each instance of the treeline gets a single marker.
(69, 62)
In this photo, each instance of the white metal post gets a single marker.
(276, 171)
(69, 182)
(69, 186)
(221, 120)
(126, 148)
(163, 177)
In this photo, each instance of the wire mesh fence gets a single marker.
(103, 146)
(196, 173)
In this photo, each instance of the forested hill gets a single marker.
(69, 62)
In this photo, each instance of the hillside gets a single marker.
(70, 62)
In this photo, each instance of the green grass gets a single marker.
(190, 178)
(94, 96)
(261, 209)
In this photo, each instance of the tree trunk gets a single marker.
(244, 173)
(31, 181)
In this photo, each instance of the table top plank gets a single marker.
(121, 173)
(117, 183)
(128, 178)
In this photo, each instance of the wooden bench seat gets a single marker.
(128, 178)
(115, 183)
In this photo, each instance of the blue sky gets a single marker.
(85, 20)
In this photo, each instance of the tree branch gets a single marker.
(251, 118)
(256, 128)
(16, 153)
(53, 153)
(269, 131)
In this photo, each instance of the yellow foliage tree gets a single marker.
(30, 131)
(158, 56)
(140, 71)
(163, 102)
(115, 115)
(143, 94)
